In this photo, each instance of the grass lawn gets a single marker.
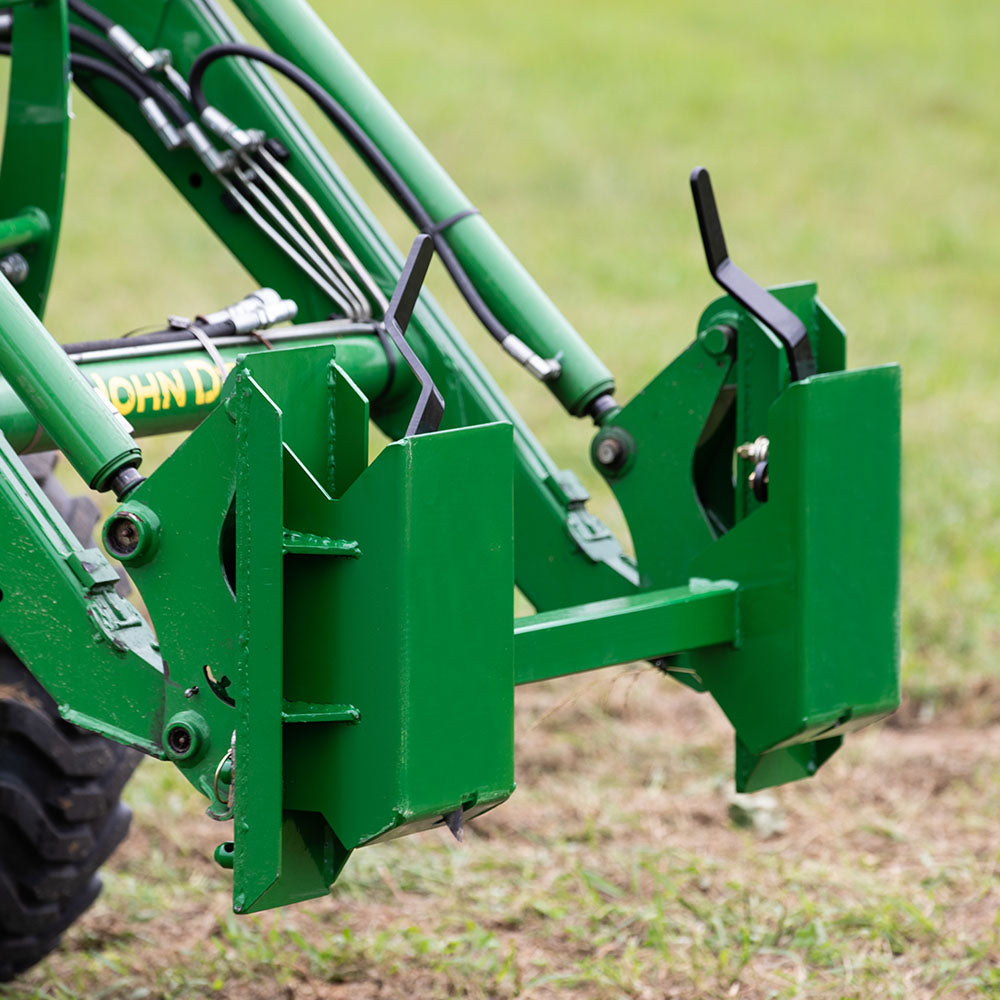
(851, 143)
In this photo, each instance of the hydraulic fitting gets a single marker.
(227, 130)
(257, 311)
(140, 57)
(545, 370)
(203, 148)
(160, 124)
(176, 80)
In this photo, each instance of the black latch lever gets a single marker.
(429, 410)
(779, 319)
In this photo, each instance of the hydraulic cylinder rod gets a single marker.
(294, 30)
(94, 438)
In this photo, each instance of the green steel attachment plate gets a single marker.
(816, 649)
(818, 565)
(361, 615)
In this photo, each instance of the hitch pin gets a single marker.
(754, 451)
(228, 801)
(757, 452)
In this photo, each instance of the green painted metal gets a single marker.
(392, 703)
(818, 566)
(416, 684)
(726, 389)
(714, 396)
(303, 711)
(646, 625)
(552, 567)
(292, 29)
(91, 434)
(36, 140)
(60, 613)
(666, 533)
(335, 651)
(31, 226)
(162, 394)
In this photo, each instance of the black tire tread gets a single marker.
(60, 815)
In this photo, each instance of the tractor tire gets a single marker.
(60, 814)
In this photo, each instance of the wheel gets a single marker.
(60, 815)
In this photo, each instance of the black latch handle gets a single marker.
(429, 410)
(785, 325)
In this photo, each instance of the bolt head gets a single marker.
(186, 737)
(132, 533)
(609, 452)
(612, 451)
(715, 340)
(179, 740)
(123, 536)
(14, 267)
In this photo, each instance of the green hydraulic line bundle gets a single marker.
(324, 630)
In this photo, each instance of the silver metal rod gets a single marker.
(282, 221)
(177, 81)
(302, 193)
(264, 177)
(305, 331)
(283, 245)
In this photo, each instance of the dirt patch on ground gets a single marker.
(975, 705)
(615, 870)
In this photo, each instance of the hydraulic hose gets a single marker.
(152, 88)
(118, 35)
(350, 129)
(100, 21)
(118, 70)
(168, 335)
(98, 68)
(387, 174)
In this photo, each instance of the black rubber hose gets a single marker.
(100, 21)
(367, 150)
(113, 73)
(120, 69)
(170, 335)
(98, 68)
(175, 335)
(153, 88)
(353, 132)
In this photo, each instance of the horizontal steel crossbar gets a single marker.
(622, 629)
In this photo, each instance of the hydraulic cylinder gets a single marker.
(165, 392)
(294, 30)
(86, 428)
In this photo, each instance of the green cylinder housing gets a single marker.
(91, 433)
(168, 392)
(294, 30)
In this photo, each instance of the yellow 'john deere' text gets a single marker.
(192, 383)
